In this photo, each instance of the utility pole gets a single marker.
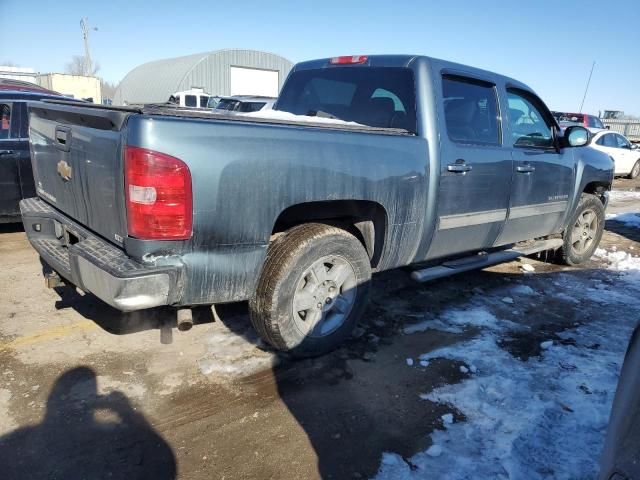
(88, 66)
(587, 87)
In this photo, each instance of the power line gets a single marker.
(587, 87)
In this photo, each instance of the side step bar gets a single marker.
(475, 262)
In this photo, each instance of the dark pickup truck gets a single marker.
(367, 163)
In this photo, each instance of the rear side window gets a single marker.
(375, 96)
(190, 101)
(529, 127)
(470, 111)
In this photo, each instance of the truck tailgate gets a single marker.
(77, 160)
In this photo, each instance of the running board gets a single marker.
(474, 262)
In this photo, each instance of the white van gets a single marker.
(194, 98)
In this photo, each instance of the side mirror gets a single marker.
(635, 146)
(576, 136)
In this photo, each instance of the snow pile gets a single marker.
(624, 195)
(232, 353)
(629, 219)
(290, 117)
(543, 418)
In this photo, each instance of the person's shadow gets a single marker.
(85, 435)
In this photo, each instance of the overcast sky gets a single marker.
(550, 45)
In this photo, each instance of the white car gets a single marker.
(626, 156)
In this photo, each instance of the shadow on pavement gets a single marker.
(619, 227)
(86, 435)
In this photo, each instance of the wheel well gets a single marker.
(597, 189)
(366, 220)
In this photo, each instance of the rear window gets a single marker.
(375, 96)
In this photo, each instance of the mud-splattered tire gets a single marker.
(313, 288)
(582, 236)
(635, 171)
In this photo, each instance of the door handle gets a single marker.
(7, 152)
(459, 167)
(525, 168)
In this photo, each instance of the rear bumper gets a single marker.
(95, 265)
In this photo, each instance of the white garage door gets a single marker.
(251, 81)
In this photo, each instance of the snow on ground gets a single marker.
(541, 418)
(630, 219)
(290, 117)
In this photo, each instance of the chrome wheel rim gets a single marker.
(636, 170)
(584, 231)
(324, 296)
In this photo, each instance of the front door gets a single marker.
(543, 175)
(475, 172)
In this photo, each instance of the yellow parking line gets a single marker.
(48, 334)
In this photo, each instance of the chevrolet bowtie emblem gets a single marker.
(64, 170)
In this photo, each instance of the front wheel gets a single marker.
(582, 236)
(635, 171)
(313, 289)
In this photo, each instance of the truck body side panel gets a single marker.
(245, 175)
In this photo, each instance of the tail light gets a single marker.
(348, 60)
(158, 195)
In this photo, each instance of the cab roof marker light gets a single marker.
(348, 60)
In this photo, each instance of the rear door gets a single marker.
(10, 192)
(25, 173)
(475, 173)
(543, 175)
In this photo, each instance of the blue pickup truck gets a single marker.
(367, 163)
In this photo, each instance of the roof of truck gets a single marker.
(410, 61)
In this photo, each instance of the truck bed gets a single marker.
(179, 112)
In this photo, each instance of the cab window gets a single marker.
(470, 111)
(190, 101)
(529, 127)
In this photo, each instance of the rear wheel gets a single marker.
(312, 290)
(583, 235)
(635, 171)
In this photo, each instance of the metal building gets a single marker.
(221, 72)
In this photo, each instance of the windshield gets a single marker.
(374, 96)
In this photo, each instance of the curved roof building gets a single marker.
(221, 72)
